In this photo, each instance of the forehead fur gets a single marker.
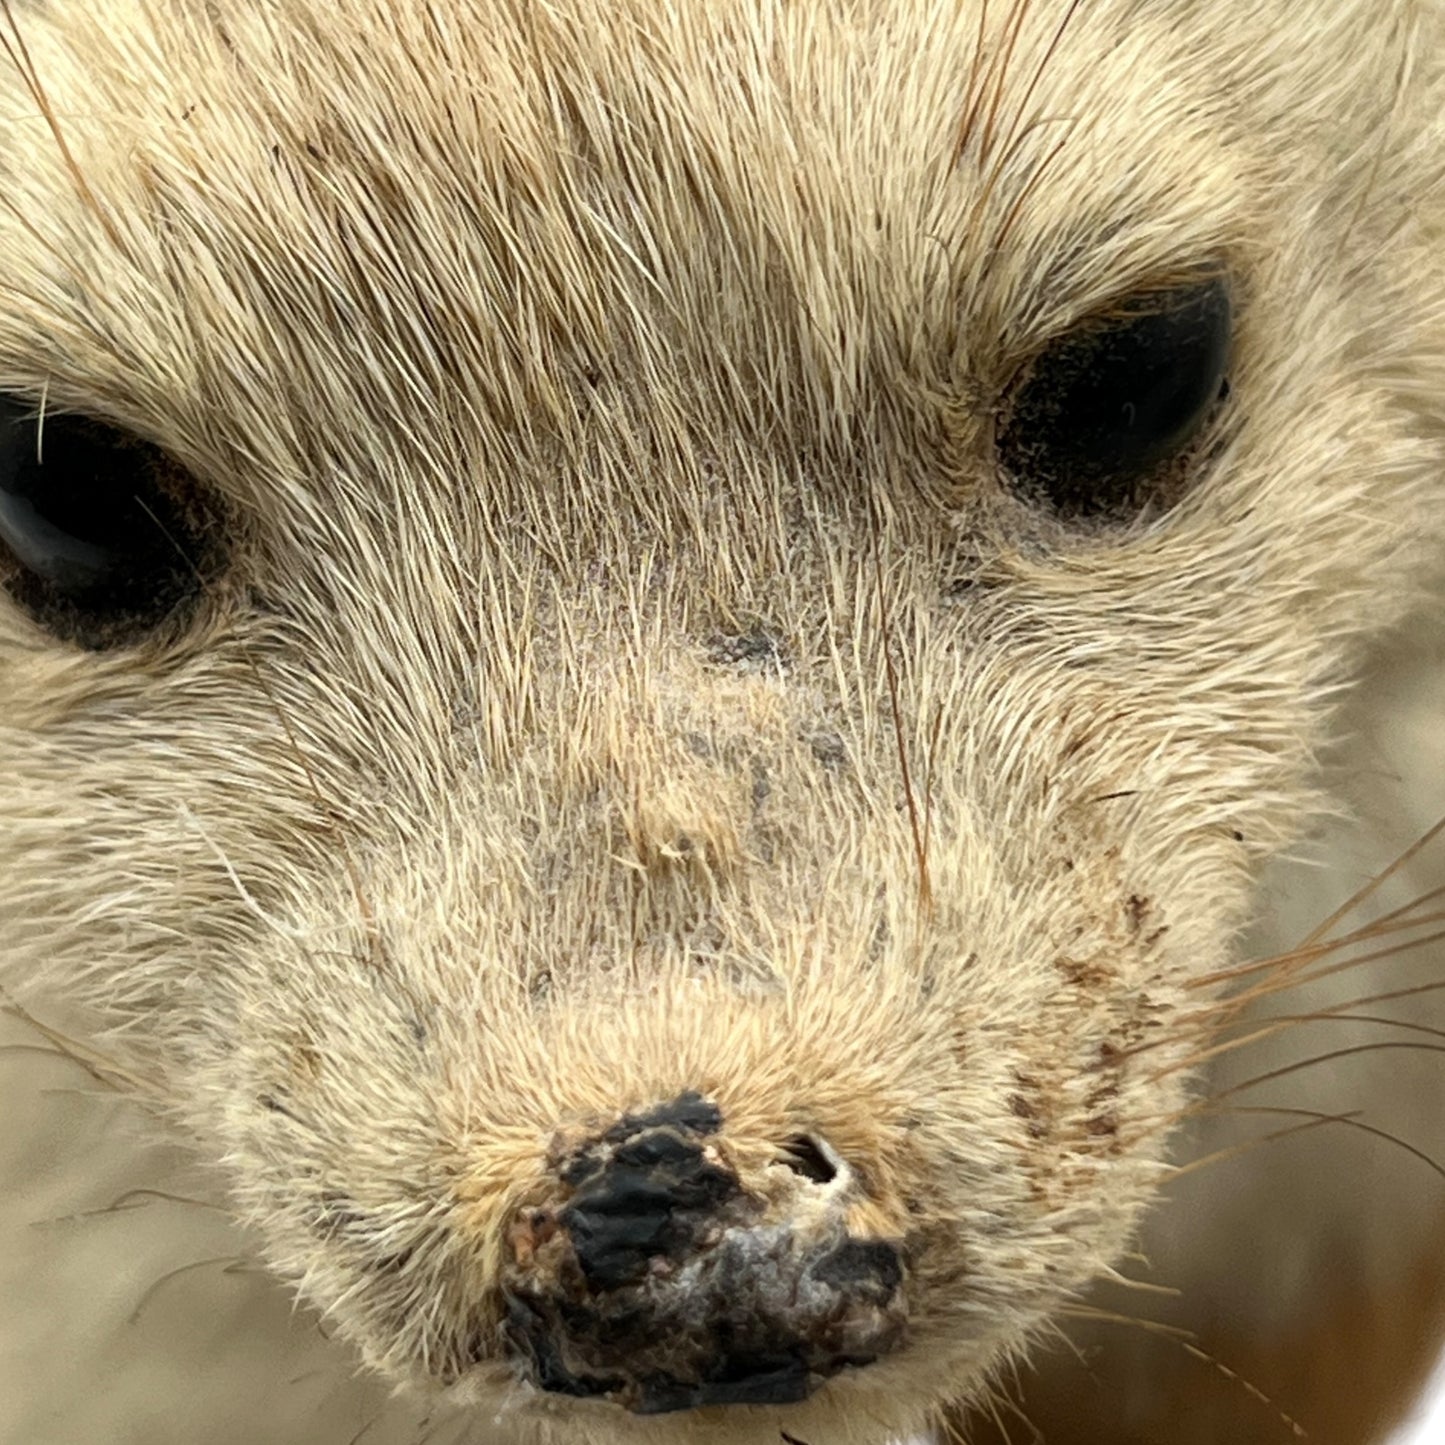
(826, 217)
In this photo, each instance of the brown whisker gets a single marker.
(131, 1200)
(1271, 987)
(1186, 1340)
(1361, 894)
(1207, 1109)
(232, 1265)
(12, 41)
(1270, 1075)
(1017, 130)
(973, 90)
(1276, 1024)
(920, 844)
(1219, 1156)
(106, 1071)
(1026, 191)
(1013, 28)
(1393, 922)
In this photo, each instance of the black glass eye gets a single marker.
(102, 536)
(1104, 410)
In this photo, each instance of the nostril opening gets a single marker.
(806, 1156)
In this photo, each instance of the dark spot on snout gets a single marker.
(829, 749)
(650, 1203)
(689, 1112)
(529, 1332)
(868, 1268)
(757, 1378)
(762, 784)
(689, 1115)
(758, 647)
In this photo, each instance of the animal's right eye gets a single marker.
(1098, 421)
(102, 536)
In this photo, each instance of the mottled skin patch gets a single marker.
(657, 1281)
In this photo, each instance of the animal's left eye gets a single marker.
(1098, 415)
(102, 537)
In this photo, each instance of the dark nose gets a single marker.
(660, 1280)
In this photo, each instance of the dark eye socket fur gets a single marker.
(1094, 423)
(103, 538)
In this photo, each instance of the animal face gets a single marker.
(648, 649)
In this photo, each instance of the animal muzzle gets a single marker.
(661, 1281)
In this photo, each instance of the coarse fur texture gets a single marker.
(631, 675)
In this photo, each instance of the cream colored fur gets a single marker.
(534, 348)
